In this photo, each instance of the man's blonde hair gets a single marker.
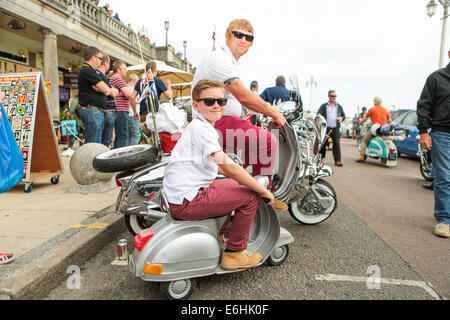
(206, 84)
(238, 24)
(117, 65)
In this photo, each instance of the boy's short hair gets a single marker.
(205, 84)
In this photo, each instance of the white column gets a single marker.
(51, 71)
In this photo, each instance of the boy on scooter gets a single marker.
(190, 183)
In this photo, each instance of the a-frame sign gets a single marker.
(28, 113)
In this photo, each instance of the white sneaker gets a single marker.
(68, 153)
(442, 230)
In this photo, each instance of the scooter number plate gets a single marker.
(391, 156)
(131, 265)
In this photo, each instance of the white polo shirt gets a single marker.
(190, 166)
(220, 65)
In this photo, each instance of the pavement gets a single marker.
(50, 229)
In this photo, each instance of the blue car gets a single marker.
(409, 146)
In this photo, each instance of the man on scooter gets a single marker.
(237, 133)
(190, 183)
(378, 114)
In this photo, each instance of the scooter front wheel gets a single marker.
(178, 289)
(311, 210)
(278, 256)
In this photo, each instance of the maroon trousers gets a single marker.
(221, 198)
(258, 145)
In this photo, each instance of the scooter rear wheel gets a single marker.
(178, 289)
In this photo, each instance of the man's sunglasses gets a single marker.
(209, 102)
(239, 35)
(333, 96)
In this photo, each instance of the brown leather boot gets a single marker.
(239, 260)
(280, 205)
(362, 158)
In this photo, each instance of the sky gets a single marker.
(360, 48)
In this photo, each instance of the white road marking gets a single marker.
(421, 284)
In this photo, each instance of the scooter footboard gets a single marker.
(265, 231)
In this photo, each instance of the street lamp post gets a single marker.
(310, 83)
(166, 26)
(185, 45)
(431, 10)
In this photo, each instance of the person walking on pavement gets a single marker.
(276, 94)
(122, 104)
(377, 114)
(237, 133)
(110, 109)
(433, 111)
(92, 92)
(334, 114)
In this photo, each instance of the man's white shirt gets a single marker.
(220, 65)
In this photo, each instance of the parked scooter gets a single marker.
(298, 179)
(425, 161)
(382, 145)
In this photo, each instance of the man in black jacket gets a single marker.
(334, 114)
(433, 111)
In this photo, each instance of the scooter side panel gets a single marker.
(376, 148)
(185, 249)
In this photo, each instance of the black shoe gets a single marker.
(429, 186)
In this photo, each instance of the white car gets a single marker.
(346, 128)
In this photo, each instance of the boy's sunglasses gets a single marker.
(239, 35)
(209, 102)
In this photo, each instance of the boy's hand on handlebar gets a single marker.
(267, 195)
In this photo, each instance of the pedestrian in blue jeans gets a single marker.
(92, 93)
(134, 133)
(110, 109)
(122, 103)
(433, 111)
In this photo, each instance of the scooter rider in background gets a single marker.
(378, 114)
(189, 182)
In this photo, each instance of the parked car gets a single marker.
(346, 128)
(396, 114)
(408, 120)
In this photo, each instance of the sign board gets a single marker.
(28, 113)
(71, 80)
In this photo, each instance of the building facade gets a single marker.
(50, 36)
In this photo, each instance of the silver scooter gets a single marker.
(175, 252)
